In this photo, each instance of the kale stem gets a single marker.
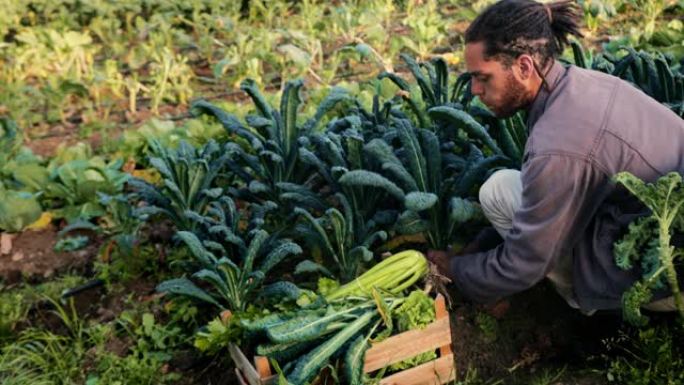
(666, 257)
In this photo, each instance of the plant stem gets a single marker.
(666, 257)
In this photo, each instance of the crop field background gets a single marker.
(173, 173)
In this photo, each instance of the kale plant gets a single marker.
(190, 179)
(427, 179)
(648, 242)
(233, 261)
(269, 164)
(342, 238)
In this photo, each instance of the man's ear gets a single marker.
(525, 64)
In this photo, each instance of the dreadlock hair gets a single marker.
(510, 28)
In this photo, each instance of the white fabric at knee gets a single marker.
(500, 196)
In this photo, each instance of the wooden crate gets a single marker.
(394, 349)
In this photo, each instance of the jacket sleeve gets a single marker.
(560, 196)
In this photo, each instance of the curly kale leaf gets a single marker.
(416, 312)
(632, 300)
(648, 242)
(627, 251)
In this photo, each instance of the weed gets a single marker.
(488, 326)
(548, 377)
(646, 357)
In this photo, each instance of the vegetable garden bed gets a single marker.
(394, 349)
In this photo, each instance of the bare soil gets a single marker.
(31, 255)
(531, 333)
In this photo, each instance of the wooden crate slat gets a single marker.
(435, 372)
(243, 365)
(440, 313)
(408, 344)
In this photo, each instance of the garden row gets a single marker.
(94, 63)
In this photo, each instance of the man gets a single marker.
(559, 215)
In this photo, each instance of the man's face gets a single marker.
(503, 90)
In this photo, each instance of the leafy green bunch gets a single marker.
(341, 323)
(307, 340)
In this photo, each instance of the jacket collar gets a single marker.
(536, 109)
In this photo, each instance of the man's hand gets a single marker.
(441, 260)
(486, 239)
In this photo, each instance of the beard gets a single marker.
(514, 99)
